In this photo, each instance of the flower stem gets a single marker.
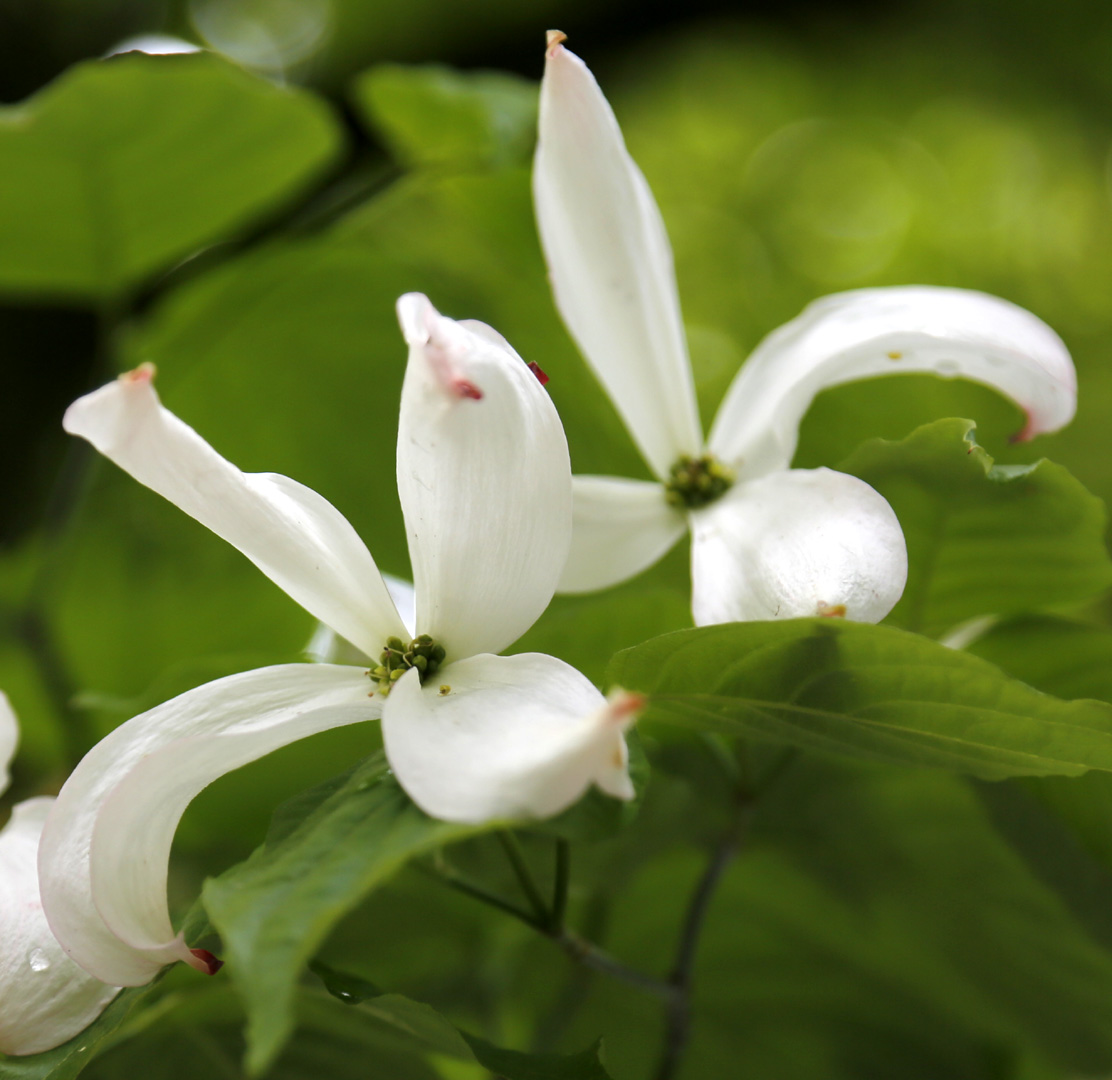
(525, 878)
(560, 885)
(677, 1016)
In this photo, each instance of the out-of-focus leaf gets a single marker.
(874, 926)
(983, 539)
(273, 911)
(514, 1065)
(124, 166)
(868, 691)
(430, 115)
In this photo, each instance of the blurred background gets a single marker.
(253, 249)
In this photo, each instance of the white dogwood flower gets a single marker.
(485, 485)
(45, 998)
(768, 541)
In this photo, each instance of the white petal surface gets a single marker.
(513, 737)
(9, 739)
(105, 849)
(619, 528)
(795, 544)
(856, 335)
(484, 481)
(45, 998)
(295, 536)
(610, 263)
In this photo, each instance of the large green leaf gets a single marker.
(869, 691)
(124, 166)
(274, 910)
(983, 539)
(430, 115)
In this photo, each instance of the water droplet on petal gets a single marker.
(38, 960)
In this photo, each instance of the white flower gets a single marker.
(768, 541)
(485, 487)
(45, 998)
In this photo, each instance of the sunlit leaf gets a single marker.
(274, 910)
(983, 539)
(868, 691)
(124, 166)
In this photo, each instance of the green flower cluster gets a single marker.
(397, 658)
(697, 481)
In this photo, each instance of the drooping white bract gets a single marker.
(770, 541)
(485, 486)
(45, 998)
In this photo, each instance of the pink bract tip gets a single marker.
(144, 373)
(553, 40)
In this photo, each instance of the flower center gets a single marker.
(397, 658)
(697, 481)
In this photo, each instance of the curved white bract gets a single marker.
(485, 484)
(45, 998)
(295, 536)
(105, 848)
(505, 738)
(794, 544)
(610, 263)
(914, 328)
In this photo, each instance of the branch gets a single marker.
(678, 1006)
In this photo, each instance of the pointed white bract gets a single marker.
(296, 537)
(45, 998)
(594, 209)
(485, 484)
(611, 269)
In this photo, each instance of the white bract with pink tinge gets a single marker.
(485, 487)
(768, 541)
(45, 998)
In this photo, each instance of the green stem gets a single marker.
(560, 886)
(525, 878)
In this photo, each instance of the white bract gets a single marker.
(768, 541)
(485, 486)
(45, 998)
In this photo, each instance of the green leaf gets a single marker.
(122, 167)
(869, 691)
(517, 1066)
(430, 115)
(983, 539)
(274, 910)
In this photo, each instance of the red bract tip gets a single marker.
(209, 964)
(467, 389)
(537, 370)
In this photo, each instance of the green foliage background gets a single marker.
(250, 235)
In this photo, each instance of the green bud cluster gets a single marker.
(397, 658)
(697, 481)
